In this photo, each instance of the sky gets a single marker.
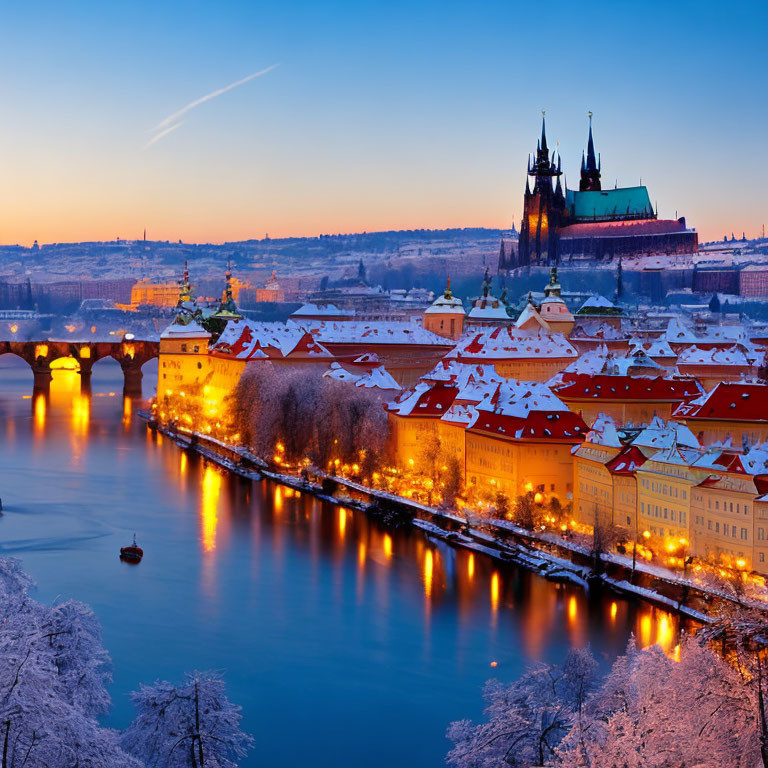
(370, 115)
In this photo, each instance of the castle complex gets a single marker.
(561, 224)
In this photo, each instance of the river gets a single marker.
(344, 643)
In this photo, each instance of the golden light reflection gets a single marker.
(645, 631)
(388, 546)
(495, 592)
(572, 609)
(471, 566)
(127, 412)
(614, 611)
(209, 508)
(429, 568)
(361, 554)
(183, 461)
(664, 633)
(342, 521)
(278, 506)
(40, 407)
(81, 413)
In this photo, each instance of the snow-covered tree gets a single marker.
(527, 719)
(53, 670)
(192, 725)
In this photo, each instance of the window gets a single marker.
(196, 348)
(761, 534)
(183, 347)
(717, 527)
(717, 505)
(725, 529)
(743, 534)
(709, 525)
(199, 365)
(762, 557)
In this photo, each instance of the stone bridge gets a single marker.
(131, 353)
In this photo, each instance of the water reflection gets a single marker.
(280, 589)
(209, 508)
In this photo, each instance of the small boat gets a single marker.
(133, 553)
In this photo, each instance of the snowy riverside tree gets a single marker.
(648, 712)
(192, 725)
(53, 671)
(53, 676)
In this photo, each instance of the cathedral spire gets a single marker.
(543, 142)
(590, 166)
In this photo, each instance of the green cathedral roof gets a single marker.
(609, 204)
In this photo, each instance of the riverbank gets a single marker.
(548, 554)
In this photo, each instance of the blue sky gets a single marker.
(379, 115)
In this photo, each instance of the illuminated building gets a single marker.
(520, 440)
(271, 292)
(156, 294)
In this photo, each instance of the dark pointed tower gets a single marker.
(590, 166)
(543, 207)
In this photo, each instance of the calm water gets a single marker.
(345, 644)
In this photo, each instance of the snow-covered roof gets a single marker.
(378, 378)
(604, 432)
(318, 310)
(389, 332)
(677, 332)
(528, 315)
(245, 340)
(510, 343)
(488, 308)
(660, 434)
(597, 302)
(445, 305)
(192, 330)
(338, 373)
(694, 355)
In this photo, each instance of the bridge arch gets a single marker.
(129, 352)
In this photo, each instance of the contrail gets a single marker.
(162, 133)
(164, 127)
(212, 95)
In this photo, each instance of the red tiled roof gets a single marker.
(623, 228)
(627, 461)
(586, 386)
(557, 426)
(729, 401)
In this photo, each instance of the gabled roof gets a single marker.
(424, 401)
(245, 340)
(527, 410)
(729, 401)
(627, 461)
(388, 332)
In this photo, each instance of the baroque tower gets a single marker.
(543, 208)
